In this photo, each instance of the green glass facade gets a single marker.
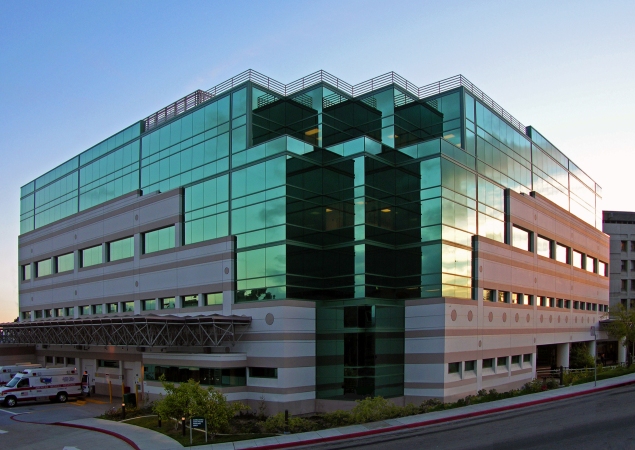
(355, 202)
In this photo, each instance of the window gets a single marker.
(542, 301)
(148, 305)
(48, 313)
(562, 253)
(454, 367)
(632, 285)
(470, 366)
(268, 372)
(502, 296)
(527, 358)
(633, 246)
(214, 299)
(65, 263)
(591, 264)
(520, 238)
(84, 310)
(26, 315)
(624, 266)
(70, 361)
(560, 303)
(516, 359)
(632, 266)
(26, 272)
(190, 301)
(595, 307)
(111, 308)
(91, 256)
(515, 297)
(576, 305)
(59, 360)
(48, 359)
(543, 247)
(501, 361)
(601, 268)
(488, 295)
(97, 309)
(108, 363)
(623, 246)
(623, 302)
(38, 314)
(127, 306)
(43, 268)
(158, 240)
(59, 312)
(567, 304)
(168, 303)
(69, 311)
(582, 306)
(576, 259)
(488, 363)
(236, 376)
(624, 285)
(529, 299)
(121, 249)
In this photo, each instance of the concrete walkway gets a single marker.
(146, 439)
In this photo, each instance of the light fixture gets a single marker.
(312, 131)
(448, 136)
(329, 210)
(385, 210)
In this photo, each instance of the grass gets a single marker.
(198, 437)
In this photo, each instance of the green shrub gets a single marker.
(337, 418)
(372, 409)
(275, 424)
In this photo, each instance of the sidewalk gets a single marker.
(143, 439)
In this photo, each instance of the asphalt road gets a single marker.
(28, 427)
(605, 420)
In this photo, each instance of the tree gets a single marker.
(191, 400)
(580, 357)
(622, 328)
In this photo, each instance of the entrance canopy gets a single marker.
(140, 331)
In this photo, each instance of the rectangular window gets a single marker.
(158, 240)
(59, 312)
(26, 272)
(632, 266)
(560, 303)
(582, 306)
(543, 247)
(529, 299)
(633, 246)
(595, 307)
(48, 313)
(65, 263)
(454, 367)
(59, 360)
(501, 361)
(48, 359)
(576, 305)
(127, 306)
(520, 238)
(488, 295)
(38, 314)
(26, 315)
(515, 298)
(70, 361)
(542, 301)
(97, 309)
(488, 363)
(190, 301)
(623, 246)
(214, 299)
(84, 310)
(43, 268)
(111, 308)
(148, 305)
(121, 249)
(567, 304)
(624, 266)
(503, 296)
(108, 363)
(624, 284)
(577, 259)
(632, 285)
(91, 256)
(69, 311)
(590, 264)
(562, 253)
(263, 372)
(168, 303)
(470, 366)
(601, 268)
(527, 358)
(516, 359)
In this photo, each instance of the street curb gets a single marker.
(438, 421)
(99, 430)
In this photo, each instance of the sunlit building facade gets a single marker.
(385, 239)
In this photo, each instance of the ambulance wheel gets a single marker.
(11, 402)
(62, 397)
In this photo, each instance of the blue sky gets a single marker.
(74, 73)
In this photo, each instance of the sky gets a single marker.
(74, 73)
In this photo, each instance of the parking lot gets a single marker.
(31, 426)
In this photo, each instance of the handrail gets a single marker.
(391, 78)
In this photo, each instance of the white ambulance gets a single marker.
(7, 372)
(57, 384)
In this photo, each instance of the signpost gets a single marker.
(595, 355)
(198, 423)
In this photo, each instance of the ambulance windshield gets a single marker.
(13, 381)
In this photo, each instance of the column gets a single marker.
(621, 352)
(201, 300)
(592, 348)
(228, 301)
(562, 355)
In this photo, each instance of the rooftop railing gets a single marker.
(391, 78)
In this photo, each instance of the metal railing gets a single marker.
(321, 76)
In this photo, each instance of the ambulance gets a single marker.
(7, 372)
(55, 384)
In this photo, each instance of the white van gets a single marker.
(7, 372)
(39, 384)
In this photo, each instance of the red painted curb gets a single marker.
(99, 430)
(437, 421)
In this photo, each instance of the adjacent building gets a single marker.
(620, 226)
(313, 243)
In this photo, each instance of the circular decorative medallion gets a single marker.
(550, 319)
(226, 270)
(490, 316)
(136, 283)
(504, 317)
(136, 217)
(528, 318)
(269, 319)
(470, 316)
(517, 317)
(480, 343)
(453, 315)
(566, 319)
(541, 318)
